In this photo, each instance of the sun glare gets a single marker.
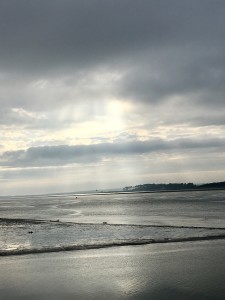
(115, 115)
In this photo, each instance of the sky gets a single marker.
(98, 94)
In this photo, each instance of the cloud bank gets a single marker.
(91, 81)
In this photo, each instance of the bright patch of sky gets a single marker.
(103, 94)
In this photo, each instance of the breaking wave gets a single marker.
(31, 236)
(106, 245)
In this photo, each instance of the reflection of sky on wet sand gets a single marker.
(159, 272)
(183, 271)
(182, 209)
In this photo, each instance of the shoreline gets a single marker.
(155, 191)
(68, 223)
(18, 252)
(159, 271)
(80, 194)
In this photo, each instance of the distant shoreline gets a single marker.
(151, 187)
(79, 194)
(156, 191)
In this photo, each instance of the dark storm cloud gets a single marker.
(194, 70)
(48, 34)
(64, 155)
(161, 49)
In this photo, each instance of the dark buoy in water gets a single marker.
(30, 232)
(104, 223)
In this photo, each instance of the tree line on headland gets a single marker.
(173, 186)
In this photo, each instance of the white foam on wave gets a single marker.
(24, 236)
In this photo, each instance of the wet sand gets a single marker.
(184, 271)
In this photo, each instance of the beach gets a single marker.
(112, 150)
(191, 270)
(131, 246)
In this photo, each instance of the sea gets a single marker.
(48, 223)
(162, 245)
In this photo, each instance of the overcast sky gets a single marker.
(107, 93)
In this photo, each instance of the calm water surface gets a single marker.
(186, 271)
(183, 271)
(198, 208)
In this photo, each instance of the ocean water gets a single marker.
(122, 246)
(52, 223)
(174, 271)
